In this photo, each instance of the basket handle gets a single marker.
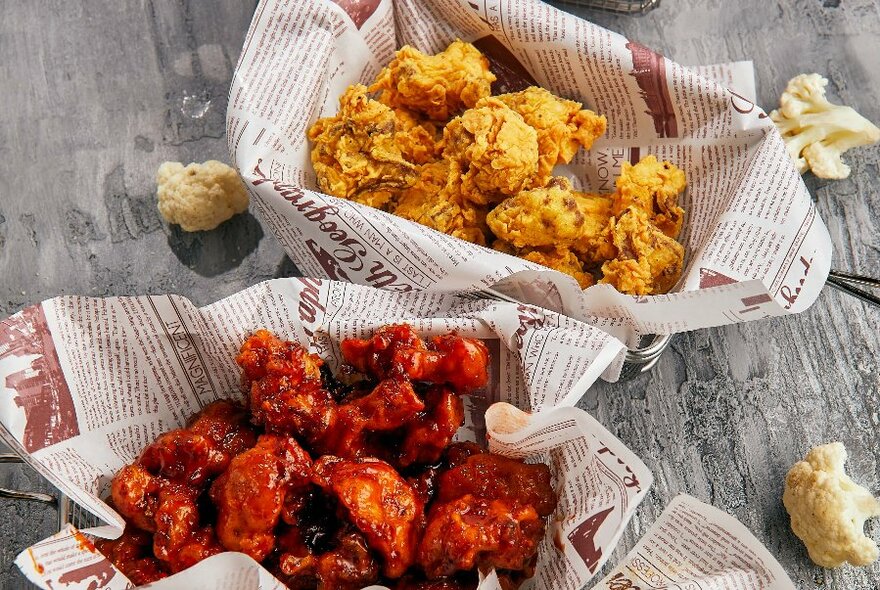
(22, 495)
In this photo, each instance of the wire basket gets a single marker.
(618, 6)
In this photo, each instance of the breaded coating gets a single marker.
(417, 137)
(356, 154)
(561, 259)
(555, 215)
(648, 261)
(438, 86)
(562, 125)
(653, 187)
(434, 204)
(493, 151)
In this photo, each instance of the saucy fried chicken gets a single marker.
(348, 565)
(477, 532)
(251, 493)
(428, 435)
(653, 187)
(648, 261)
(356, 154)
(562, 126)
(398, 351)
(380, 503)
(492, 152)
(438, 86)
(434, 202)
(486, 475)
(131, 553)
(356, 515)
(286, 391)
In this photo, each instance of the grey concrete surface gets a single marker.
(96, 95)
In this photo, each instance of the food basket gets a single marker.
(619, 6)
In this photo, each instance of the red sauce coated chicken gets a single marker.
(337, 483)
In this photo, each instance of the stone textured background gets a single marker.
(95, 97)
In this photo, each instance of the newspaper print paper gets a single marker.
(695, 546)
(87, 383)
(755, 246)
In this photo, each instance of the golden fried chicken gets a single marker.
(286, 391)
(554, 216)
(250, 494)
(430, 433)
(416, 136)
(438, 205)
(492, 152)
(653, 187)
(438, 86)
(380, 503)
(561, 259)
(476, 532)
(356, 154)
(562, 125)
(648, 261)
(397, 350)
(486, 475)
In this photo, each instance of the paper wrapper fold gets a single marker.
(755, 244)
(86, 384)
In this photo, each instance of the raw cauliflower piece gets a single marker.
(199, 196)
(828, 510)
(817, 132)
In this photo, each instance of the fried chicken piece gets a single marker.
(391, 404)
(561, 259)
(397, 350)
(458, 453)
(433, 203)
(250, 494)
(200, 545)
(227, 424)
(349, 565)
(177, 519)
(286, 392)
(135, 495)
(491, 476)
(424, 483)
(131, 554)
(477, 532)
(356, 155)
(427, 436)
(163, 507)
(562, 125)
(654, 188)
(462, 582)
(380, 503)
(438, 86)
(492, 152)
(416, 136)
(184, 457)
(552, 216)
(648, 261)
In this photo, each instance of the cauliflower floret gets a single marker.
(828, 510)
(817, 132)
(199, 196)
